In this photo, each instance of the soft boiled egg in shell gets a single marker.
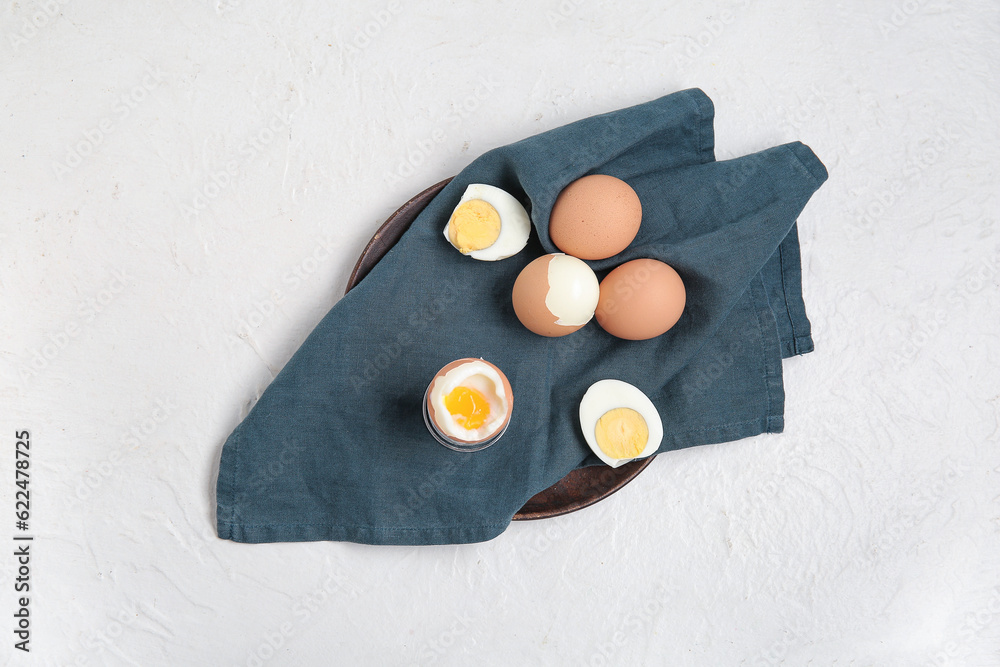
(619, 422)
(470, 400)
(488, 224)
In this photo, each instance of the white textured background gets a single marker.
(186, 186)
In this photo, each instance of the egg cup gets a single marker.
(458, 445)
(478, 375)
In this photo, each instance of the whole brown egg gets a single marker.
(595, 217)
(640, 299)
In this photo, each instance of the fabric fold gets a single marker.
(336, 447)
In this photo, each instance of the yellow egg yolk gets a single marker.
(468, 407)
(474, 225)
(622, 433)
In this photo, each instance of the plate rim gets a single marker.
(404, 216)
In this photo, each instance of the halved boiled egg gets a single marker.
(619, 422)
(488, 224)
(470, 401)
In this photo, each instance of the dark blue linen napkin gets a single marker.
(336, 447)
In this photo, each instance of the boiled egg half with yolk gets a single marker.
(619, 422)
(469, 401)
(488, 224)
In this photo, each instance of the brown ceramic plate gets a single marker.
(581, 487)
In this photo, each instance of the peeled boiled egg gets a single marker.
(555, 295)
(469, 402)
(641, 299)
(595, 217)
(619, 422)
(488, 224)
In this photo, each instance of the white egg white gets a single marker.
(481, 377)
(573, 290)
(515, 224)
(607, 395)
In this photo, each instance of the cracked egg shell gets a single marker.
(555, 295)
